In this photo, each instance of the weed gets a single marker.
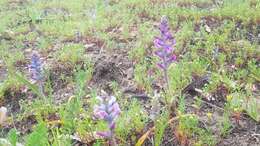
(160, 126)
(143, 80)
(59, 139)
(39, 136)
(71, 53)
(225, 124)
(219, 39)
(13, 137)
(132, 119)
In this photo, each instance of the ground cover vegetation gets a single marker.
(129, 72)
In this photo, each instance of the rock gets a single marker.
(5, 142)
(3, 115)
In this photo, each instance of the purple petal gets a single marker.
(171, 58)
(115, 114)
(112, 125)
(35, 67)
(111, 101)
(100, 114)
(116, 107)
(114, 110)
(164, 27)
(108, 111)
(159, 53)
(100, 107)
(158, 42)
(160, 65)
(109, 118)
(168, 49)
(105, 134)
(167, 35)
(173, 42)
(36, 75)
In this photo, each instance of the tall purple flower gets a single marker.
(108, 110)
(165, 43)
(36, 68)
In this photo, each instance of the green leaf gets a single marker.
(39, 137)
(23, 80)
(12, 137)
(160, 126)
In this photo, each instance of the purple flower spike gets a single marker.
(36, 71)
(165, 44)
(108, 110)
(36, 68)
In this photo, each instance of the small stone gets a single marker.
(207, 28)
(3, 115)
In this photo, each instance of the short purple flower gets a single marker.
(165, 44)
(108, 110)
(36, 68)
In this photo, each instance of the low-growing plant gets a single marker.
(37, 107)
(160, 126)
(60, 139)
(69, 113)
(39, 136)
(133, 119)
(71, 53)
(197, 102)
(185, 129)
(13, 137)
(225, 124)
(180, 76)
(82, 77)
(253, 109)
(143, 80)
(181, 106)
(71, 110)
(118, 94)
(205, 137)
(86, 127)
(212, 37)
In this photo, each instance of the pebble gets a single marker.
(3, 115)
